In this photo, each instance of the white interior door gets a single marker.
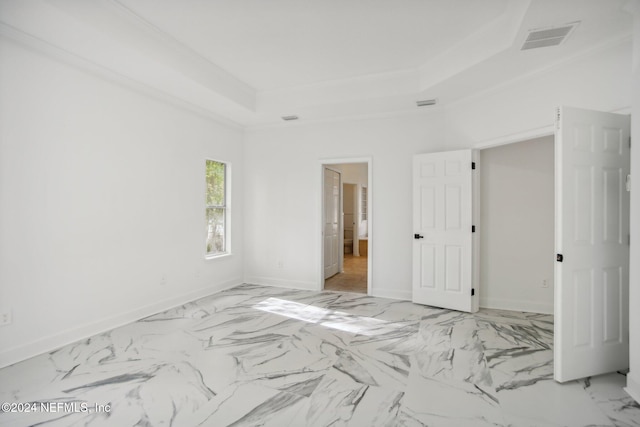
(331, 222)
(442, 223)
(592, 228)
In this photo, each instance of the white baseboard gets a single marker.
(633, 387)
(516, 305)
(392, 294)
(53, 342)
(282, 283)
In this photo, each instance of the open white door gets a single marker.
(591, 333)
(442, 223)
(331, 222)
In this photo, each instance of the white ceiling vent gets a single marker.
(545, 37)
(426, 102)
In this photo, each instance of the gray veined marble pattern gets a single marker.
(262, 356)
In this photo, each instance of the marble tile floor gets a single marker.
(263, 356)
(352, 279)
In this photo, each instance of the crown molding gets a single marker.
(192, 84)
(416, 111)
(201, 69)
(57, 53)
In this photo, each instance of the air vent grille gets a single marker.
(426, 102)
(545, 37)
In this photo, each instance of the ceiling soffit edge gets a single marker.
(107, 33)
(499, 34)
(243, 101)
(73, 60)
(492, 39)
(200, 68)
(593, 50)
(400, 82)
(345, 118)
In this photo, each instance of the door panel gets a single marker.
(331, 222)
(592, 225)
(442, 215)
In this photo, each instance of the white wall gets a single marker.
(526, 106)
(633, 378)
(87, 152)
(282, 197)
(517, 226)
(101, 196)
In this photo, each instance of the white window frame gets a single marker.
(226, 207)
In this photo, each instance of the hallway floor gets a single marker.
(257, 355)
(354, 278)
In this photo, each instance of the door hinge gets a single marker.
(473, 165)
(473, 228)
(629, 142)
(558, 118)
(473, 291)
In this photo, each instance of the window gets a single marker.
(217, 208)
(363, 204)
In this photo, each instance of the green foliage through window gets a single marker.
(216, 210)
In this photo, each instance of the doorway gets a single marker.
(591, 221)
(591, 211)
(346, 225)
(517, 225)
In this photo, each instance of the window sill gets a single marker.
(217, 256)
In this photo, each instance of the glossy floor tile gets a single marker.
(264, 356)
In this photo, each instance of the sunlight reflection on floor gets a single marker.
(329, 318)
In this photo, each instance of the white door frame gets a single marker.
(323, 163)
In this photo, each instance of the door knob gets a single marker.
(417, 236)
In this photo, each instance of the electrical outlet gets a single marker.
(5, 317)
(545, 283)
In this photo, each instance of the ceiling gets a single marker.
(252, 61)
(284, 43)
